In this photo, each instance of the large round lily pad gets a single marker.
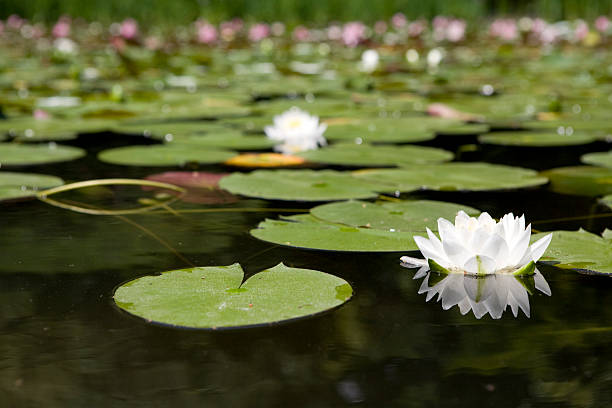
(37, 130)
(580, 250)
(216, 297)
(376, 156)
(537, 139)
(225, 140)
(299, 185)
(598, 159)
(20, 185)
(381, 130)
(15, 154)
(452, 177)
(164, 155)
(357, 226)
(607, 201)
(580, 180)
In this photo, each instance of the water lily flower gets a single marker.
(504, 28)
(480, 246)
(434, 57)
(369, 61)
(128, 29)
(296, 131)
(62, 27)
(206, 32)
(602, 24)
(258, 32)
(353, 33)
(65, 46)
(398, 20)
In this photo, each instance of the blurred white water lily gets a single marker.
(480, 246)
(369, 61)
(296, 131)
(490, 294)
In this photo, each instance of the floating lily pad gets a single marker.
(15, 154)
(452, 177)
(541, 139)
(21, 185)
(256, 160)
(382, 130)
(357, 226)
(598, 159)
(299, 185)
(33, 130)
(607, 201)
(165, 155)
(376, 156)
(215, 297)
(229, 140)
(580, 250)
(464, 129)
(580, 180)
(169, 131)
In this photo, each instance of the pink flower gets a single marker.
(40, 114)
(380, 27)
(301, 33)
(416, 28)
(228, 30)
(581, 30)
(455, 31)
(61, 29)
(14, 21)
(258, 32)
(504, 28)
(129, 29)
(602, 24)
(353, 33)
(399, 20)
(206, 32)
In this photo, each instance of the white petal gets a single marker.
(446, 229)
(455, 252)
(479, 265)
(538, 247)
(412, 262)
(541, 284)
(429, 252)
(519, 247)
(496, 249)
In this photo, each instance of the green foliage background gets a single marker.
(298, 11)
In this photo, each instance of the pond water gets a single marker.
(64, 342)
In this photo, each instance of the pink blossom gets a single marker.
(538, 26)
(258, 32)
(40, 114)
(455, 31)
(581, 30)
(301, 33)
(399, 20)
(207, 33)
(14, 21)
(228, 30)
(129, 29)
(353, 33)
(380, 27)
(61, 29)
(602, 24)
(504, 28)
(416, 28)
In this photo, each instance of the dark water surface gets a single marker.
(63, 343)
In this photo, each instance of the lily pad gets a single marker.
(579, 250)
(580, 180)
(376, 156)
(607, 201)
(164, 155)
(356, 226)
(228, 140)
(15, 154)
(299, 185)
(464, 129)
(33, 130)
(21, 185)
(216, 297)
(452, 177)
(382, 130)
(598, 159)
(540, 139)
(255, 160)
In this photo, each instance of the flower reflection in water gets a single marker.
(490, 294)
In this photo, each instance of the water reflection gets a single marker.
(490, 294)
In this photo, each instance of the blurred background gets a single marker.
(298, 11)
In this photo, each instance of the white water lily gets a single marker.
(296, 131)
(491, 294)
(480, 246)
(369, 61)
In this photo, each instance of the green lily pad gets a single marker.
(169, 131)
(580, 180)
(607, 201)
(598, 159)
(580, 250)
(464, 129)
(33, 130)
(298, 185)
(376, 156)
(215, 297)
(541, 138)
(228, 139)
(15, 154)
(452, 177)
(405, 130)
(21, 185)
(163, 155)
(356, 226)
